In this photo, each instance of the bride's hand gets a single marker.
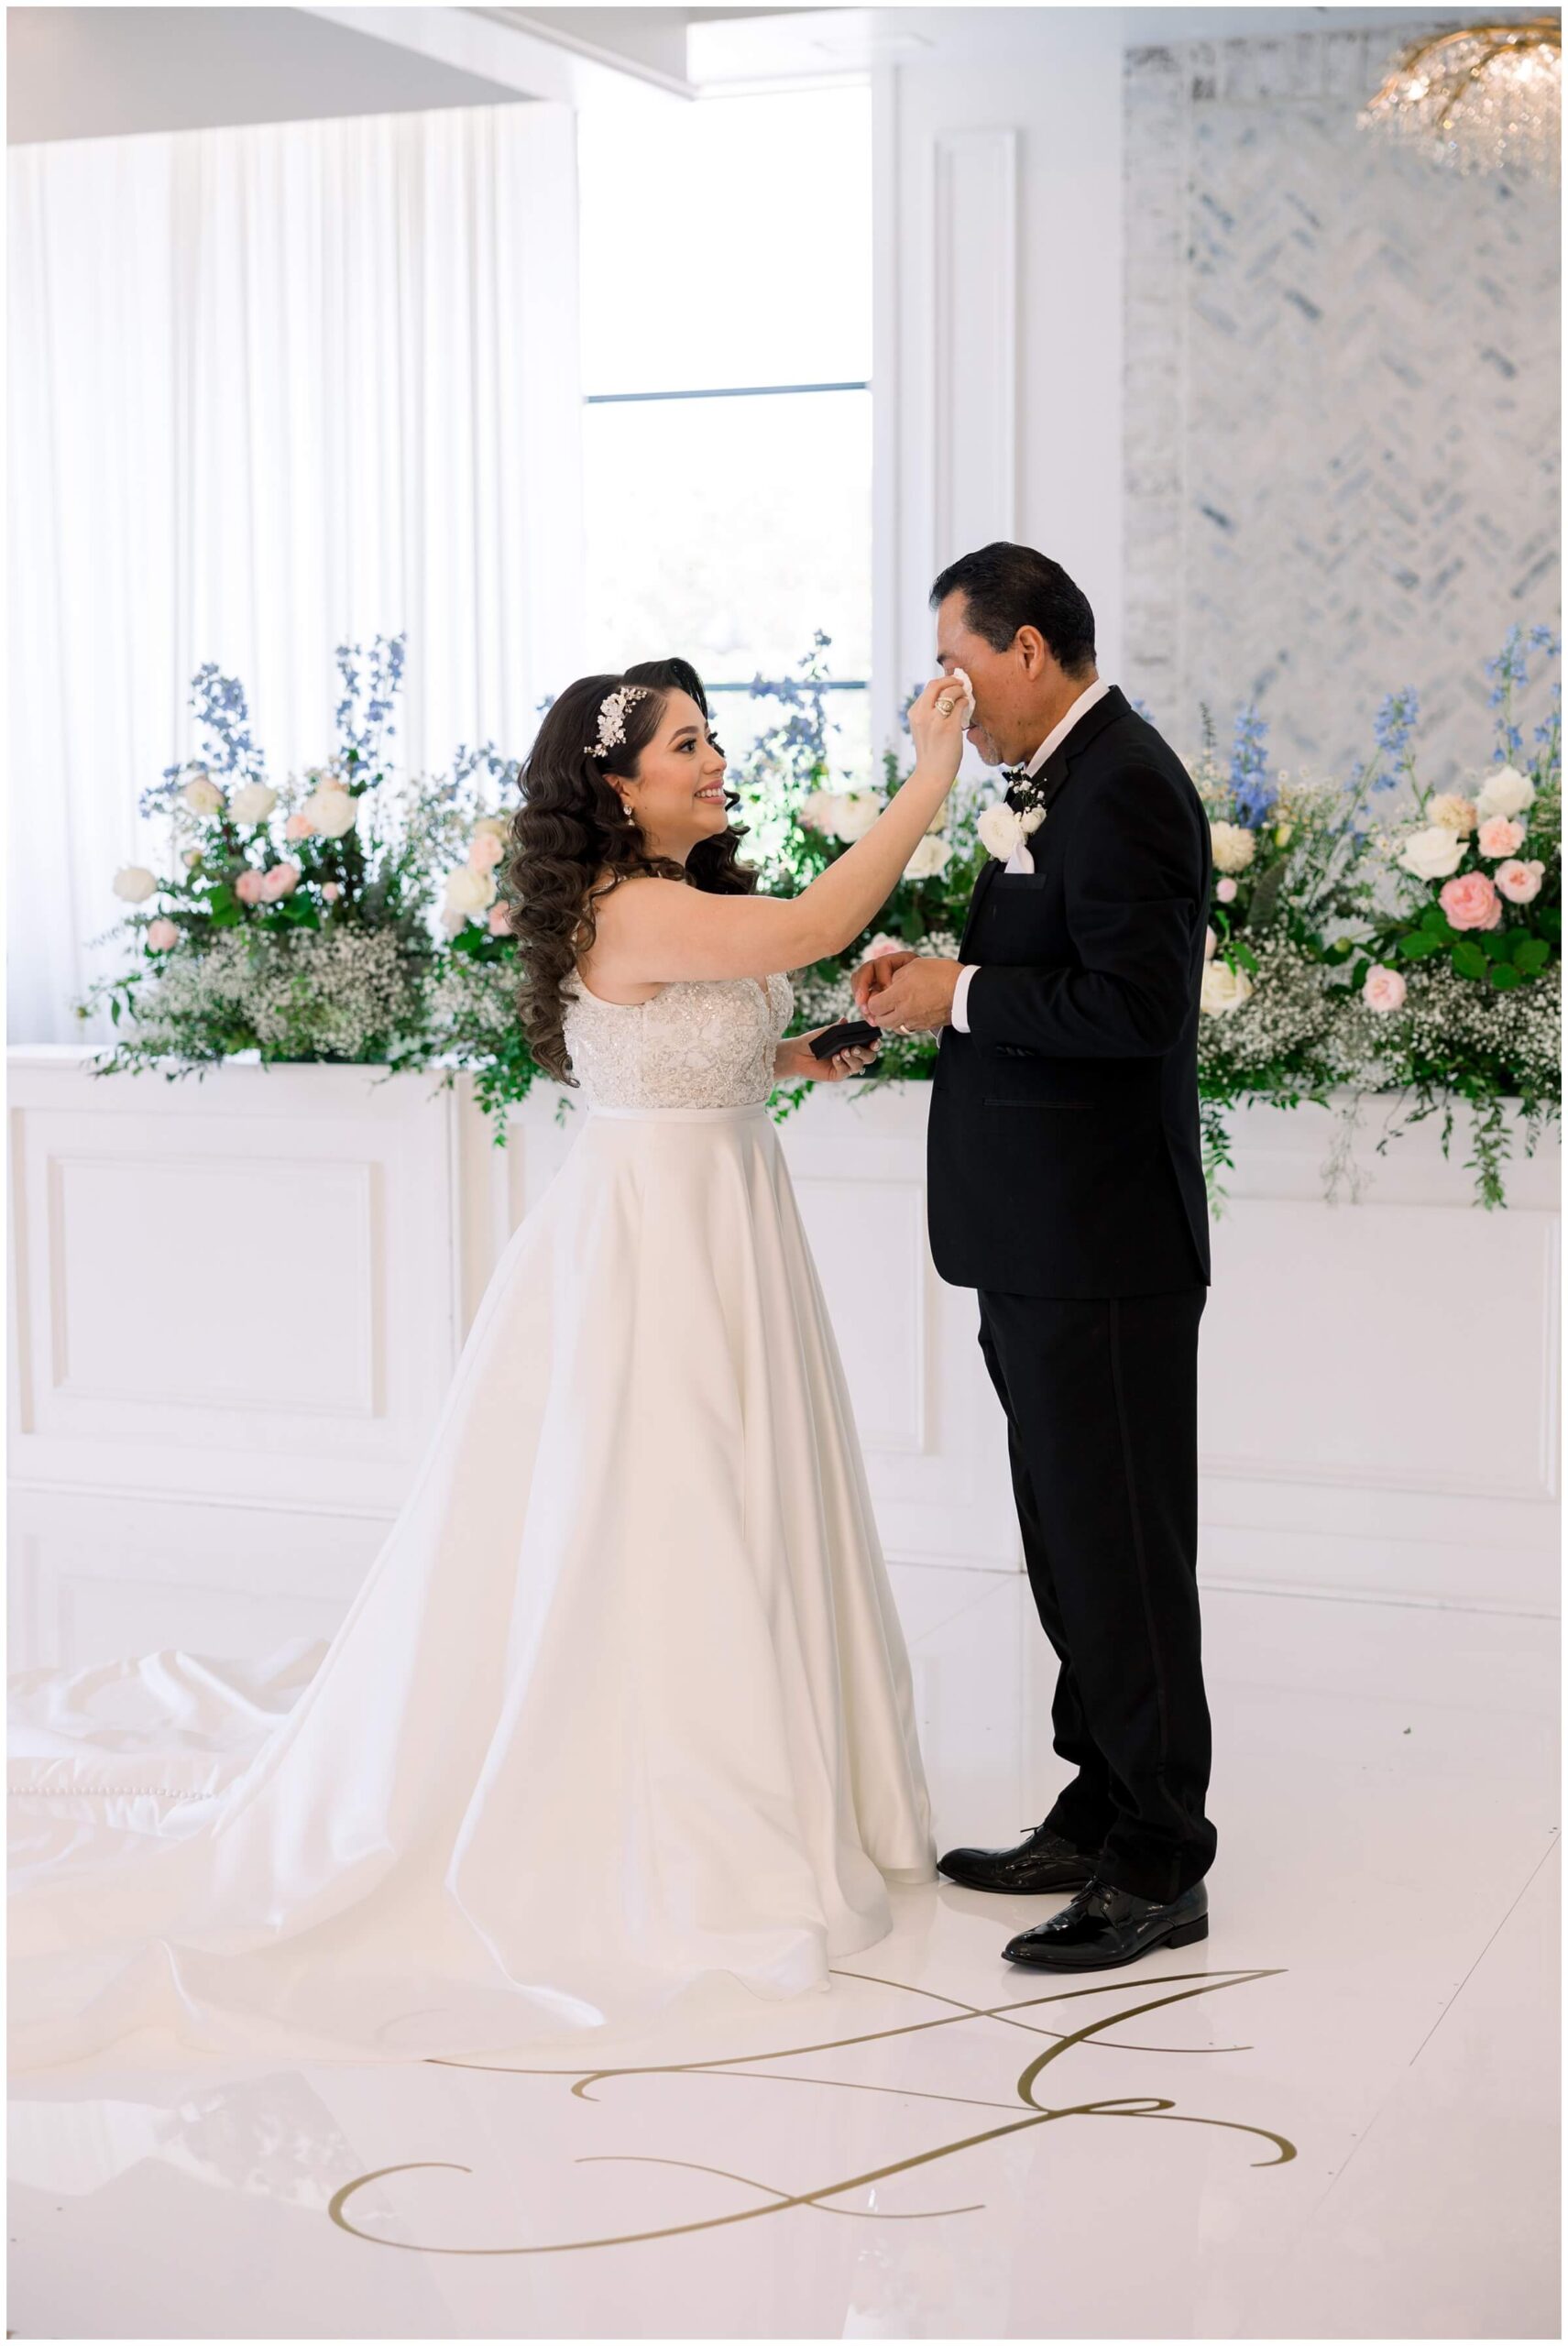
(939, 738)
(792, 1061)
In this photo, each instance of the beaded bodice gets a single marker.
(699, 1043)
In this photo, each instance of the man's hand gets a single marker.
(918, 997)
(874, 974)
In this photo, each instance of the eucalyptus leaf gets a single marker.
(1264, 904)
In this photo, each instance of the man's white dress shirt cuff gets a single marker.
(958, 1015)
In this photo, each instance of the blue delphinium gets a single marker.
(218, 704)
(360, 730)
(503, 772)
(1392, 727)
(1252, 790)
(798, 741)
(1511, 673)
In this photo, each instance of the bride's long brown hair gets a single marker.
(572, 832)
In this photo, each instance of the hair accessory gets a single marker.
(612, 719)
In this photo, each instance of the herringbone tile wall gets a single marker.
(1342, 404)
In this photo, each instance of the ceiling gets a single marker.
(110, 71)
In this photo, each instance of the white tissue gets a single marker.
(957, 676)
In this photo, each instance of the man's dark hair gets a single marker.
(1006, 586)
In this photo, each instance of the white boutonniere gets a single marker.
(1003, 829)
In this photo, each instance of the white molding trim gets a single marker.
(974, 346)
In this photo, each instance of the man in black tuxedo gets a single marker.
(1066, 1185)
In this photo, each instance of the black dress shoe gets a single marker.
(1044, 1861)
(1101, 1927)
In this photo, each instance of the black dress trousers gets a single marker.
(1100, 1395)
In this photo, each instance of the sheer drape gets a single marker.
(273, 388)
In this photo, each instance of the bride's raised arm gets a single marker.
(651, 931)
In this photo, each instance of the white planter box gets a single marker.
(251, 1288)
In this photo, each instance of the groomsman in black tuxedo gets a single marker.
(1066, 1185)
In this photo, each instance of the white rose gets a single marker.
(1224, 989)
(1506, 791)
(330, 812)
(201, 794)
(1000, 830)
(929, 860)
(253, 804)
(1210, 944)
(135, 882)
(818, 812)
(1433, 854)
(468, 891)
(1234, 846)
(1452, 812)
(854, 815)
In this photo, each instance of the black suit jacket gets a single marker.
(1063, 1148)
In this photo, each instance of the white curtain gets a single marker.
(273, 390)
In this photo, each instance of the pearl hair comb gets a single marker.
(612, 719)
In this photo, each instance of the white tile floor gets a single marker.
(1378, 1989)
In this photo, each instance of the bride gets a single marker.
(622, 1714)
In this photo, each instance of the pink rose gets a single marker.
(252, 887)
(298, 826)
(281, 880)
(1470, 902)
(331, 890)
(500, 924)
(161, 934)
(1226, 890)
(1520, 882)
(1384, 989)
(1210, 944)
(1498, 835)
(484, 851)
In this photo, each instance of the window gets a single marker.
(727, 362)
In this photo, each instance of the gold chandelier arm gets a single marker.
(1532, 32)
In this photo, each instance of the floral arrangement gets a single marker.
(1453, 970)
(1317, 979)
(294, 919)
(1373, 937)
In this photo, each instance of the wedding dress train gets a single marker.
(623, 1708)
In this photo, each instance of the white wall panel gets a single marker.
(241, 1287)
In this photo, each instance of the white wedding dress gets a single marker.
(623, 1713)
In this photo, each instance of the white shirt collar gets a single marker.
(1058, 732)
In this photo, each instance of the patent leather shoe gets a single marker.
(1101, 1927)
(1043, 1862)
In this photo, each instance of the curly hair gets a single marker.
(572, 838)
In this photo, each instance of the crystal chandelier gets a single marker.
(1487, 98)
